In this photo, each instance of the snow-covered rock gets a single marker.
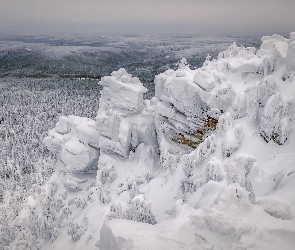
(124, 119)
(75, 142)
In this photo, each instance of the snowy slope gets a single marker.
(206, 164)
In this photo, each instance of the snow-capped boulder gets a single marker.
(122, 91)
(75, 142)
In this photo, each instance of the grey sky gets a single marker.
(217, 17)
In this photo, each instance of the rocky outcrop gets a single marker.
(124, 119)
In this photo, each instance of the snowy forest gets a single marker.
(136, 143)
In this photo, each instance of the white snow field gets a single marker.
(208, 163)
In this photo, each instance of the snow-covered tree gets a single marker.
(265, 89)
(276, 119)
(238, 169)
(75, 231)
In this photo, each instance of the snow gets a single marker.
(208, 163)
(204, 80)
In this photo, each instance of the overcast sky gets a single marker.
(200, 17)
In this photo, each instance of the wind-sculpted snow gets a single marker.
(208, 163)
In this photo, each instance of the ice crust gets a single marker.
(208, 163)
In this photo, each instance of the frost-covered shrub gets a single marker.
(115, 211)
(183, 64)
(265, 89)
(7, 235)
(131, 155)
(52, 187)
(231, 140)
(80, 202)
(106, 175)
(139, 209)
(190, 185)
(186, 164)
(55, 233)
(290, 61)
(276, 119)
(235, 51)
(239, 106)
(55, 205)
(197, 183)
(75, 231)
(267, 64)
(92, 193)
(149, 176)
(238, 169)
(36, 190)
(271, 117)
(127, 184)
(168, 160)
(212, 170)
(252, 104)
(63, 214)
(190, 161)
(225, 123)
(232, 136)
(103, 194)
(205, 149)
(134, 191)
